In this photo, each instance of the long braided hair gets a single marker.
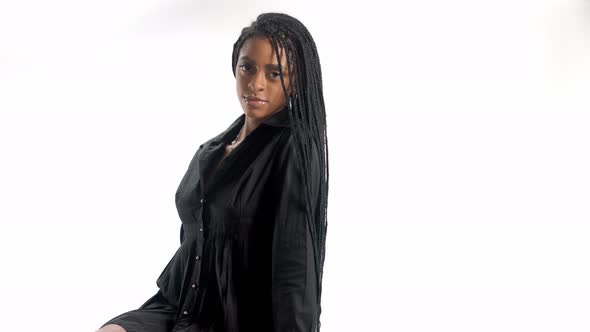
(306, 110)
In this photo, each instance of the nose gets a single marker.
(258, 81)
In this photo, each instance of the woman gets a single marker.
(253, 201)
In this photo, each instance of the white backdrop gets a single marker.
(459, 154)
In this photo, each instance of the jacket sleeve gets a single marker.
(181, 233)
(294, 283)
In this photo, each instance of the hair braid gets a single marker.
(306, 111)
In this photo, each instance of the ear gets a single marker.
(292, 90)
(293, 94)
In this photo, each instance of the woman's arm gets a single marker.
(294, 283)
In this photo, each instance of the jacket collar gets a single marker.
(277, 119)
(214, 147)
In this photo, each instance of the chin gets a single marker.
(255, 113)
(252, 114)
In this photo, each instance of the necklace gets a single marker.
(236, 140)
(227, 151)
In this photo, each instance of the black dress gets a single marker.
(245, 261)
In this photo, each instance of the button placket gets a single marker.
(198, 258)
(203, 200)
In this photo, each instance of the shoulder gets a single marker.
(290, 150)
(295, 158)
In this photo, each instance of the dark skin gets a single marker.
(257, 74)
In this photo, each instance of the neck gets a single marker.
(249, 125)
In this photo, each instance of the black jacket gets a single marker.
(246, 259)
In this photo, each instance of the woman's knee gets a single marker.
(112, 328)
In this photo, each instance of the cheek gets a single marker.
(278, 94)
(240, 80)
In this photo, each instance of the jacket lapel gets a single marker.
(213, 149)
(242, 156)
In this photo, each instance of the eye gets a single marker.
(276, 73)
(244, 66)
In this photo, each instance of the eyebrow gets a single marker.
(269, 65)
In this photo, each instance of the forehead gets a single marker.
(259, 49)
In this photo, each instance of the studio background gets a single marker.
(458, 131)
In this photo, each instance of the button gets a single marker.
(202, 200)
(185, 312)
(194, 285)
(198, 257)
(201, 229)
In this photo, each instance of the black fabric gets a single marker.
(245, 261)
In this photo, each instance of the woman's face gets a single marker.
(257, 76)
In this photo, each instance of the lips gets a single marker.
(255, 102)
(255, 99)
